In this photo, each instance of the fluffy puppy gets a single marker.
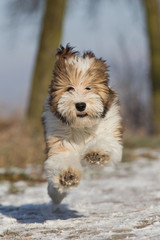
(81, 120)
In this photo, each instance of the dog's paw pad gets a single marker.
(69, 178)
(96, 158)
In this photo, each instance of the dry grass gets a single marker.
(20, 146)
(130, 155)
(140, 141)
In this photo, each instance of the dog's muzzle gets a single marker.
(80, 106)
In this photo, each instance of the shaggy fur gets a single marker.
(81, 119)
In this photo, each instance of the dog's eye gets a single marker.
(70, 89)
(88, 88)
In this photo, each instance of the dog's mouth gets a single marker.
(82, 115)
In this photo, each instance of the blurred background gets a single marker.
(126, 33)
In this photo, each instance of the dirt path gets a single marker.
(120, 203)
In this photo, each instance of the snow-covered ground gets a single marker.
(119, 203)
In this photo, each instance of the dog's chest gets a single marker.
(81, 136)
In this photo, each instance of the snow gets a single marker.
(119, 203)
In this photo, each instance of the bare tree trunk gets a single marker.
(152, 8)
(49, 41)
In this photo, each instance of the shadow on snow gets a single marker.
(38, 213)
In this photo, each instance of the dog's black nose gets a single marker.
(80, 106)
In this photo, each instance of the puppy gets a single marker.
(81, 120)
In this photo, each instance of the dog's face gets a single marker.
(79, 92)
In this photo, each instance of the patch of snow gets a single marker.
(120, 203)
(30, 169)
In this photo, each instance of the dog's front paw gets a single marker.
(69, 178)
(95, 158)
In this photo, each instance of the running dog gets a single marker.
(81, 119)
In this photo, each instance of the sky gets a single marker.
(18, 47)
(114, 30)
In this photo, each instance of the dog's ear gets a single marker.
(111, 98)
(88, 54)
(63, 53)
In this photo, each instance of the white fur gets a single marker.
(66, 106)
(96, 135)
(80, 62)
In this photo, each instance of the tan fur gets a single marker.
(65, 76)
(118, 133)
(66, 52)
(88, 54)
(55, 146)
